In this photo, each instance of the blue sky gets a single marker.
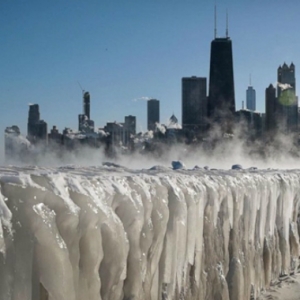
(123, 50)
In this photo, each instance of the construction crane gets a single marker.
(81, 88)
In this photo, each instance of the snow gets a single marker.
(110, 232)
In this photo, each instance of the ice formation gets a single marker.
(111, 233)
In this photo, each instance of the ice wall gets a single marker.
(109, 233)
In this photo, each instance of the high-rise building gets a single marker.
(286, 75)
(130, 128)
(54, 137)
(152, 113)
(271, 117)
(251, 98)
(85, 124)
(121, 133)
(221, 99)
(86, 104)
(81, 121)
(33, 114)
(194, 103)
(36, 128)
(286, 95)
(130, 124)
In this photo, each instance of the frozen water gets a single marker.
(113, 233)
(177, 164)
(236, 167)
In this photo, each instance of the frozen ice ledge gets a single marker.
(107, 232)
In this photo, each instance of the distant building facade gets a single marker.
(252, 121)
(54, 137)
(251, 98)
(152, 113)
(194, 104)
(121, 134)
(85, 125)
(130, 129)
(287, 100)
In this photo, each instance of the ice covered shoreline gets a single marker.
(287, 288)
(112, 233)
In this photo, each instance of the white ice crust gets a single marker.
(75, 233)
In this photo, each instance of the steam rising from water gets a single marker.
(282, 152)
(270, 150)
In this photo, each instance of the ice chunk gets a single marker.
(178, 165)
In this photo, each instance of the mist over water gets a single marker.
(216, 152)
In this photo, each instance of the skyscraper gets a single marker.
(152, 113)
(86, 104)
(251, 98)
(221, 100)
(129, 128)
(287, 100)
(271, 109)
(85, 124)
(33, 115)
(36, 128)
(194, 103)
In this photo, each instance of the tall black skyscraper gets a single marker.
(194, 103)
(152, 113)
(271, 109)
(221, 101)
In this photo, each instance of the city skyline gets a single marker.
(130, 57)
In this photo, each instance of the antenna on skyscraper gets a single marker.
(226, 23)
(215, 20)
(250, 79)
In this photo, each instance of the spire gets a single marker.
(226, 23)
(250, 79)
(215, 21)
